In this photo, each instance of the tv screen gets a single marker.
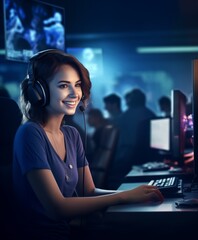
(160, 134)
(32, 26)
(91, 58)
(178, 114)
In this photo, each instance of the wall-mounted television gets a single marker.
(91, 58)
(32, 26)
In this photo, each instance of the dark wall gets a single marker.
(118, 28)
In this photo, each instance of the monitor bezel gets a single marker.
(178, 115)
(195, 120)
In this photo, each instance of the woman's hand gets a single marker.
(141, 194)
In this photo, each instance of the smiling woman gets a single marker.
(66, 90)
(35, 86)
(52, 179)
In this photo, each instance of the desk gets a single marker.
(153, 217)
(137, 175)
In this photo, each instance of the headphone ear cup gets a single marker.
(38, 93)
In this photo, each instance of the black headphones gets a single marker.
(38, 90)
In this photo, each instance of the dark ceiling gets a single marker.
(128, 15)
(124, 16)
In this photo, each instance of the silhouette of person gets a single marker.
(165, 106)
(113, 106)
(96, 120)
(127, 98)
(133, 144)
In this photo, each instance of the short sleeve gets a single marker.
(30, 148)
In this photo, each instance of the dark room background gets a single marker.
(113, 34)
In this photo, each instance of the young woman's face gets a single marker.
(65, 91)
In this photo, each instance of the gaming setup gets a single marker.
(167, 135)
(32, 26)
(174, 161)
(177, 215)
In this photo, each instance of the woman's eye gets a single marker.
(78, 85)
(63, 86)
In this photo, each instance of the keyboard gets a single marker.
(155, 166)
(169, 186)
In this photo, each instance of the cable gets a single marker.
(82, 109)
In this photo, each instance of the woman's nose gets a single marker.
(73, 92)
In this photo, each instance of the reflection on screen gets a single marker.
(160, 134)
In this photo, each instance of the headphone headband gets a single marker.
(42, 53)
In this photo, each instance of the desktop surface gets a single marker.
(168, 204)
(137, 174)
(163, 218)
(151, 219)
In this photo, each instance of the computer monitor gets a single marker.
(167, 135)
(160, 135)
(32, 26)
(178, 115)
(195, 119)
(91, 58)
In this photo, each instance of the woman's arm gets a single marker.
(59, 207)
(88, 184)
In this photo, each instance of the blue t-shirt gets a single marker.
(33, 150)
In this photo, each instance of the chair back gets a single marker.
(10, 120)
(104, 156)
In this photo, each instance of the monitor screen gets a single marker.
(160, 137)
(91, 58)
(178, 115)
(195, 120)
(32, 26)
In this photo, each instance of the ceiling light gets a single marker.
(164, 49)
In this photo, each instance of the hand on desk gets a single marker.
(141, 194)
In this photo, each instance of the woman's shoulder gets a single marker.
(30, 124)
(29, 127)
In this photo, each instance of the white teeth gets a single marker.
(72, 103)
